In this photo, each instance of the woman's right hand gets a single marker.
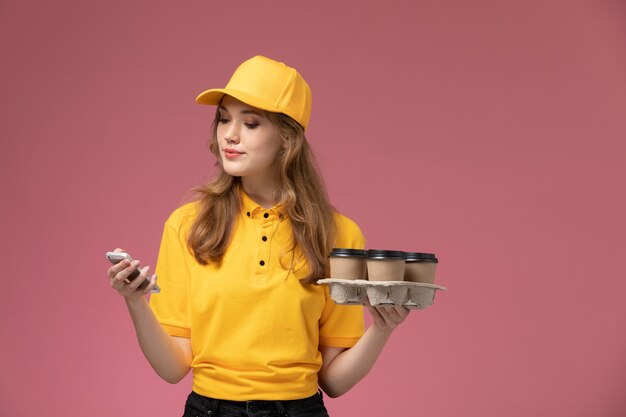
(118, 277)
(169, 356)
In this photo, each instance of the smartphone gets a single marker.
(117, 257)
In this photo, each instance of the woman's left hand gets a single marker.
(388, 317)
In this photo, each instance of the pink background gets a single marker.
(490, 132)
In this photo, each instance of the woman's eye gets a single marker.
(223, 120)
(252, 125)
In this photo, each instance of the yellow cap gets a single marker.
(268, 85)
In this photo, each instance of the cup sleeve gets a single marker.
(171, 305)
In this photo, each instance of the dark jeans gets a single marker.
(200, 406)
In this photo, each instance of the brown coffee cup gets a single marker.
(420, 267)
(347, 263)
(385, 265)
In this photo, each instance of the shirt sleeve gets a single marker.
(342, 325)
(171, 305)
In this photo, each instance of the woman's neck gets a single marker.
(261, 190)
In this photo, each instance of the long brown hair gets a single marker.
(301, 192)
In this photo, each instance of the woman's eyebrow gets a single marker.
(251, 112)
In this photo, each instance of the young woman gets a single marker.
(237, 267)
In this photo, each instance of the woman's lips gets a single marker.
(231, 153)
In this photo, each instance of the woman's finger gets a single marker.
(396, 313)
(135, 283)
(379, 321)
(400, 313)
(120, 281)
(151, 286)
(124, 273)
(117, 268)
(384, 313)
(393, 315)
(403, 312)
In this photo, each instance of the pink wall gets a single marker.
(490, 132)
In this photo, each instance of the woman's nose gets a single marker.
(232, 134)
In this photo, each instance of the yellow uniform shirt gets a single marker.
(254, 328)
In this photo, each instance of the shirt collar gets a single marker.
(251, 208)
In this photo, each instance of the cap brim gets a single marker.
(214, 96)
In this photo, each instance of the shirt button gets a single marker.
(266, 215)
(264, 238)
(262, 263)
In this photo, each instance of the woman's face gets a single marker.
(248, 142)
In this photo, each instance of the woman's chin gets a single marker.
(233, 171)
